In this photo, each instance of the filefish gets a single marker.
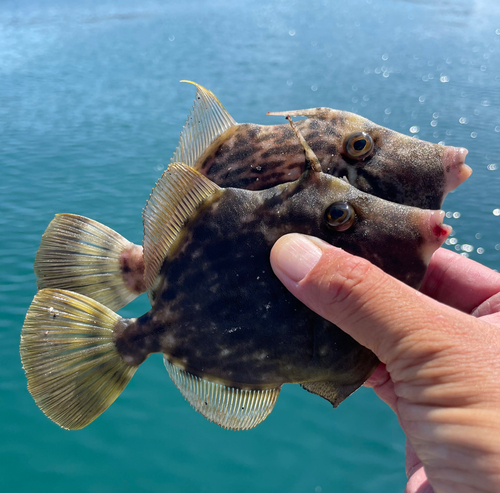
(231, 334)
(370, 157)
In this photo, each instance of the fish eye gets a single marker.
(340, 216)
(359, 145)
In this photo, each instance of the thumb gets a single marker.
(374, 308)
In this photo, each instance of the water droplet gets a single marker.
(366, 97)
(478, 236)
(385, 56)
(480, 250)
(414, 129)
(497, 128)
(318, 489)
(421, 99)
(473, 135)
(314, 88)
(434, 123)
(457, 247)
(456, 215)
(465, 254)
(497, 246)
(291, 32)
(453, 241)
(497, 32)
(289, 82)
(387, 111)
(463, 120)
(171, 37)
(448, 214)
(485, 102)
(496, 212)
(386, 74)
(435, 116)
(492, 166)
(467, 248)
(444, 78)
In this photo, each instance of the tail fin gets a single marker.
(73, 368)
(84, 256)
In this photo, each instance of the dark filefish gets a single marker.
(230, 333)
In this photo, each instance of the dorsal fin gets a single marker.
(207, 120)
(319, 113)
(229, 407)
(178, 193)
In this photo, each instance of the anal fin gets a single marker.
(231, 408)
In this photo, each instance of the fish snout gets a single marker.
(433, 231)
(455, 169)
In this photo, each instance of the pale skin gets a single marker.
(439, 348)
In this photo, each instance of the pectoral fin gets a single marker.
(208, 119)
(231, 408)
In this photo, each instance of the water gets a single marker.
(90, 113)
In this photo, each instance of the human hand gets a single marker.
(439, 348)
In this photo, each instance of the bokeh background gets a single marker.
(91, 109)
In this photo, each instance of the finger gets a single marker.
(458, 281)
(380, 381)
(374, 308)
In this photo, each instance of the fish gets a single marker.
(371, 157)
(394, 167)
(230, 333)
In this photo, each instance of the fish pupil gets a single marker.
(359, 145)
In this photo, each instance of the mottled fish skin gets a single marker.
(220, 313)
(400, 169)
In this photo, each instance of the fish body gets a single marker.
(230, 333)
(373, 158)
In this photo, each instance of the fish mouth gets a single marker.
(435, 233)
(455, 169)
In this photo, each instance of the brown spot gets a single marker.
(132, 266)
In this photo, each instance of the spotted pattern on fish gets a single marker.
(245, 156)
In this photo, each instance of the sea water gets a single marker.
(91, 110)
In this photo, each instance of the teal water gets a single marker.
(90, 113)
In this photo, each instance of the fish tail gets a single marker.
(68, 352)
(84, 256)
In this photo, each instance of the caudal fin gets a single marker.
(73, 368)
(84, 256)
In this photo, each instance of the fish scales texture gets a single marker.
(239, 324)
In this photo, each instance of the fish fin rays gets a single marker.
(73, 368)
(84, 256)
(177, 194)
(208, 119)
(230, 408)
(331, 391)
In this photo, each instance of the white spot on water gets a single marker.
(467, 248)
(492, 166)
(292, 32)
(473, 135)
(415, 129)
(456, 215)
(171, 37)
(444, 78)
(480, 250)
(496, 212)
(463, 120)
